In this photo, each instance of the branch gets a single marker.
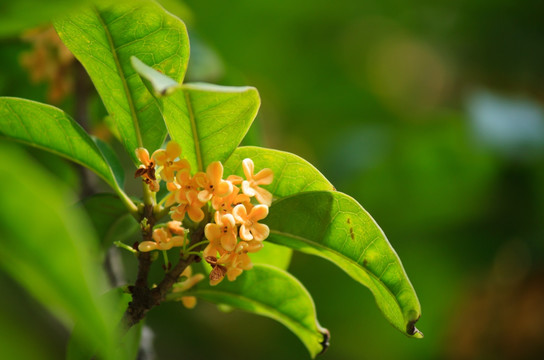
(144, 298)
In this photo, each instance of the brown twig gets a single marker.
(144, 298)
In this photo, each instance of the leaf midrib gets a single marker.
(198, 150)
(132, 109)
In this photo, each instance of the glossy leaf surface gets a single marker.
(292, 174)
(209, 121)
(51, 129)
(103, 39)
(270, 292)
(334, 226)
(48, 248)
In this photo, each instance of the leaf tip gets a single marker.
(411, 329)
(325, 343)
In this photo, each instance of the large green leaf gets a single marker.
(334, 226)
(292, 174)
(271, 292)
(208, 121)
(48, 248)
(103, 39)
(51, 129)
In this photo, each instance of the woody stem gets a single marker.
(144, 298)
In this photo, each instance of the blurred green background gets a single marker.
(429, 113)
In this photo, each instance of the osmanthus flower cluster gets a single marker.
(237, 205)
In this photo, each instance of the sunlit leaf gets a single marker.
(292, 174)
(51, 129)
(271, 292)
(103, 39)
(48, 248)
(334, 226)
(209, 121)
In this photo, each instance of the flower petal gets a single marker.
(258, 212)
(196, 214)
(248, 166)
(212, 231)
(146, 246)
(247, 189)
(240, 214)
(173, 150)
(224, 188)
(204, 196)
(188, 301)
(264, 177)
(228, 241)
(245, 234)
(260, 231)
(143, 155)
(263, 196)
(215, 172)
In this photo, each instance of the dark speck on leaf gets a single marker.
(349, 221)
(365, 262)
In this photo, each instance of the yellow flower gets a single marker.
(224, 205)
(191, 205)
(187, 183)
(173, 188)
(224, 229)
(213, 183)
(236, 261)
(147, 170)
(191, 280)
(250, 228)
(167, 159)
(251, 187)
(163, 240)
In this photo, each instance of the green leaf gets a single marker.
(16, 16)
(128, 347)
(48, 248)
(334, 226)
(103, 39)
(271, 292)
(209, 121)
(51, 129)
(110, 217)
(292, 174)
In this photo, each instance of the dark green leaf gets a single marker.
(51, 129)
(16, 16)
(334, 226)
(271, 292)
(48, 248)
(209, 121)
(78, 349)
(103, 40)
